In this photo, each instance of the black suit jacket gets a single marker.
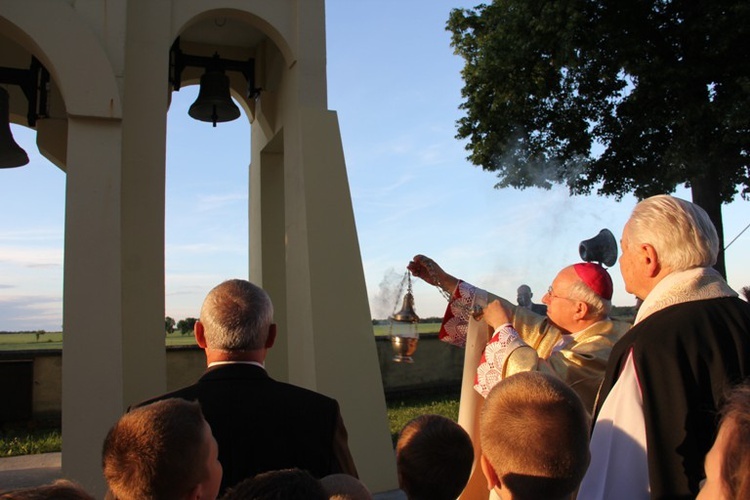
(262, 425)
(687, 356)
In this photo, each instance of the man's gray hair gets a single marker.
(599, 307)
(236, 316)
(681, 232)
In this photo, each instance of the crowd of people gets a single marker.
(569, 404)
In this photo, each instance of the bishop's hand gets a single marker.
(495, 314)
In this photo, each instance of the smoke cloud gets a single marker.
(390, 292)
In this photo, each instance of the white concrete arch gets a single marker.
(69, 50)
(110, 59)
(260, 14)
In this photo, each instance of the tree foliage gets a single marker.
(617, 96)
(169, 324)
(186, 325)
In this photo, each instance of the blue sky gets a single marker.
(395, 83)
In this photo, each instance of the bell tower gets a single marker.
(111, 65)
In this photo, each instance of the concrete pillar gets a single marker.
(92, 309)
(144, 122)
(327, 342)
(345, 354)
(113, 310)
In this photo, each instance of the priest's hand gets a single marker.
(495, 315)
(427, 269)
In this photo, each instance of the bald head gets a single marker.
(581, 289)
(236, 316)
(524, 296)
(571, 304)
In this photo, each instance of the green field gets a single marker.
(381, 330)
(53, 340)
(45, 437)
(25, 341)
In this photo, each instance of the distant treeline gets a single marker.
(184, 325)
(618, 311)
(37, 332)
(623, 311)
(433, 319)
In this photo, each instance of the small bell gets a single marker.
(11, 154)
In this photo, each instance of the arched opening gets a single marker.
(206, 232)
(31, 242)
(206, 220)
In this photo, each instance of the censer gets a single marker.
(404, 326)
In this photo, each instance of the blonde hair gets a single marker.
(345, 487)
(156, 451)
(534, 433)
(277, 485)
(736, 459)
(62, 489)
(433, 457)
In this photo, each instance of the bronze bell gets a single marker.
(11, 154)
(406, 314)
(214, 102)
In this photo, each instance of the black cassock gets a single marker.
(686, 357)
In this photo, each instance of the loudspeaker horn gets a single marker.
(601, 248)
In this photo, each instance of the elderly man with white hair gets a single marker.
(656, 414)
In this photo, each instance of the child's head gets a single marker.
(62, 489)
(281, 484)
(728, 461)
(345, 487)
(534, 434)
(162, 450)
(433, 457)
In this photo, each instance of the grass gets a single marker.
(53, 340)
(404, 408)
(30, 440)
(382, 330)
(46, 437)
(30, 340)
(177, 338)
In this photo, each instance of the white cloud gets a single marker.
(31, 257)
(207, 203)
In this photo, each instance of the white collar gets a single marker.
(218, 363)
(698, 283)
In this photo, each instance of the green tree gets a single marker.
(637, 96)
(186, 325)
(169, 324)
